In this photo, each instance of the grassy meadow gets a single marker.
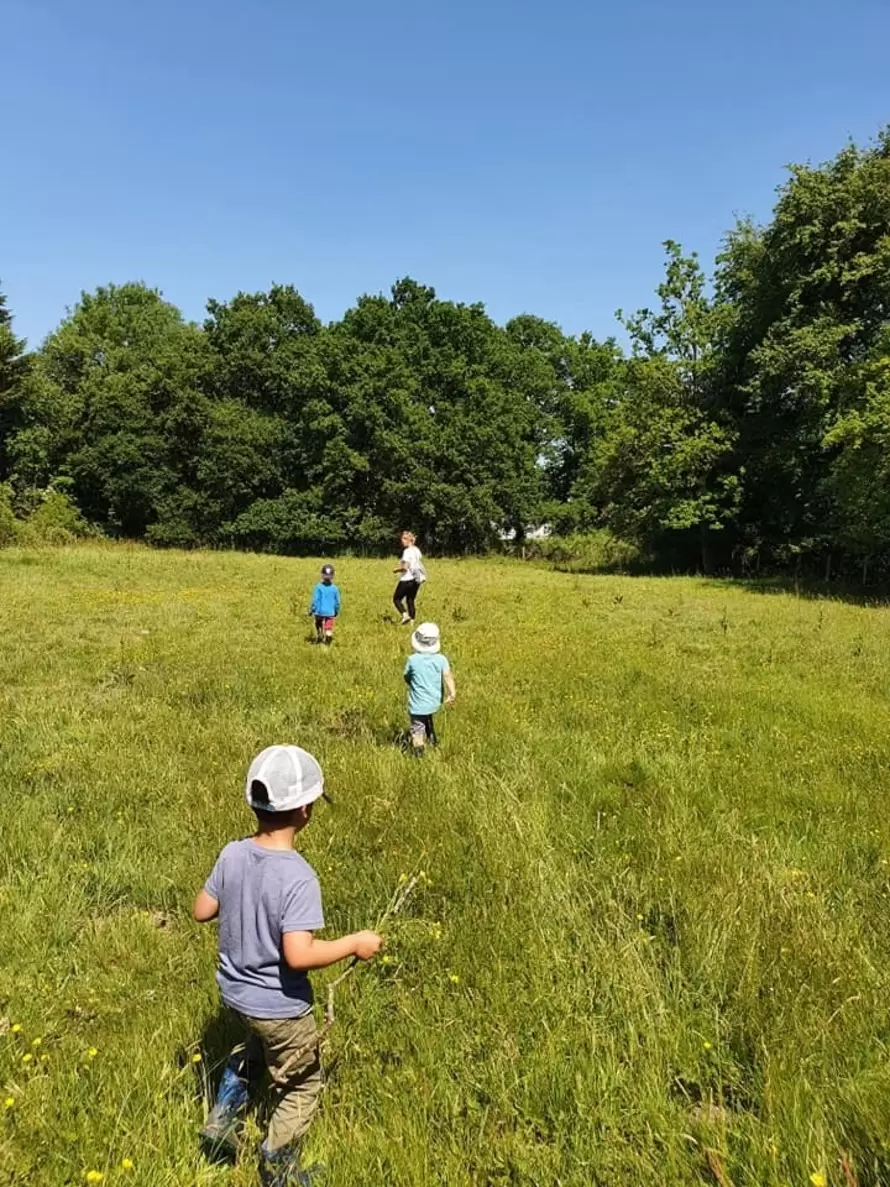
(649, 941)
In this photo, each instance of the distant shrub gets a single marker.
(172, 533)
(9, 525)
(596, 551)
(295, 523)
(55, 520)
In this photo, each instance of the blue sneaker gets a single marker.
(221, 1131)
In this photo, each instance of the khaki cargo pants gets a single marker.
(296, 1092)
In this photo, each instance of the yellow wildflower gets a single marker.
(9, 1103)
(36, 1042)
(16, 1028)
(196, 1058)
(818, 1179)
(127, 1164)
(92, 1053)
(707, 1046)
(27, 1057)
(94, 1176)
(386, 960)
(454, 978)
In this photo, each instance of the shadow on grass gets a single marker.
(392, 736)
(222, 1032)
(813, 589)
(355, 725)
(853, 593)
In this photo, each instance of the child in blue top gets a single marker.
(325, 605)
(425, 673)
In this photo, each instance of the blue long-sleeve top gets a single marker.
(325, 600)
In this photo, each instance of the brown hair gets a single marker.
(268, 819)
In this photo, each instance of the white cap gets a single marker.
(426, 639)
(282, 778)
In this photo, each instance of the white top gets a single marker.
(413, 562)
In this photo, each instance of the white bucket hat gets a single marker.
(426, 639)
(282, 778)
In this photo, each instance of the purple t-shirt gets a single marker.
(262, 894)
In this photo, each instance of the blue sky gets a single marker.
(530, 156)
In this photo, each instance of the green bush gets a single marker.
(294, 524)
(172, 533)
(9, 526)
(599, 550)
(55, 520)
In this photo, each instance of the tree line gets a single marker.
(746, 425)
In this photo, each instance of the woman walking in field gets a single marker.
(412, 575)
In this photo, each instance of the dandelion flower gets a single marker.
(94, 1177)
(92, 1053)
(44, 1059)
(27, 1057)
(9, 1103)
(16, 1028)
(196, 1058)
(639, 918)
(127, 1164)
(386, 959)
(818, 1179)
(454, 978)
(707, 1046)
(36, 1042)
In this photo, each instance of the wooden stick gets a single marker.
(717, 1168)
(849, 1173)
(397, 901)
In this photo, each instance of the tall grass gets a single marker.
(649, 945)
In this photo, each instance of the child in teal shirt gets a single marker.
(425, 674)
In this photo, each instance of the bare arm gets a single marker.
(206, 907)
(450, 687)
(301, 950)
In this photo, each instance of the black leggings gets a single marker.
(406, 591)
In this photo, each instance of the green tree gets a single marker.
(12, 369)
(810, 299)
(858, 481)
(110, 395)
(264, 350)
(436, 399)
(572, 382)
(660, 473)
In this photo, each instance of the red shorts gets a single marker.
(324, 624)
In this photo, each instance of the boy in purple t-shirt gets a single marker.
(267, 899)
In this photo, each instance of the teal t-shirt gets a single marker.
(424, 676)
